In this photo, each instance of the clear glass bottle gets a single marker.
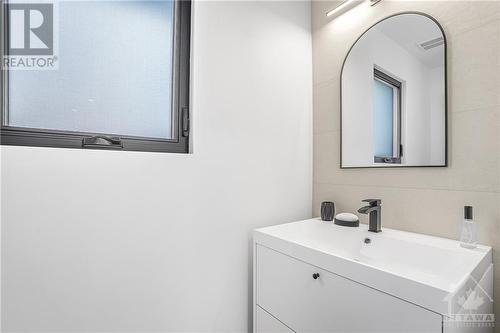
(468, 237)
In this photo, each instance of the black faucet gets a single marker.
(375, 210)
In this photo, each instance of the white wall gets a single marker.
(126, 241)
(376, 49)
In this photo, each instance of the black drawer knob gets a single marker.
(315, 276)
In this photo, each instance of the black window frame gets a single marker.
(20, 136)
(397, 153)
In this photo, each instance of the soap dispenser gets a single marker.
(468, 238)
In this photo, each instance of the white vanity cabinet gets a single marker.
(265, 322)
(302, 284)
(286, 289)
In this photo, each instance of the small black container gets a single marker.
(327, 210)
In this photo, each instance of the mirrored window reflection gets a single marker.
(386, 118)
(383, 119)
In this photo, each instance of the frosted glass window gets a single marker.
(383, 119)
(114, 77)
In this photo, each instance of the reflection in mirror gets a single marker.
(394, 95)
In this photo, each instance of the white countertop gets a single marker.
(422, 269)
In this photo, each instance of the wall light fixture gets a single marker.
(347, 5)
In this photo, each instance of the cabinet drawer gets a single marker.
(285, 287)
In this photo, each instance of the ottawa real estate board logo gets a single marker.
(29, 36)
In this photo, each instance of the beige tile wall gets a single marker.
(425, 200)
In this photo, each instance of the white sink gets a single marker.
(428, 271)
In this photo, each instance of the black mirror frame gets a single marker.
(445, 96)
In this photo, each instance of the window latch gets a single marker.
(101, 141)
(185, 121)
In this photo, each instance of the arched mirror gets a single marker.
(393, 92)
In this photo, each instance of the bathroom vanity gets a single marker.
(315, 276)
